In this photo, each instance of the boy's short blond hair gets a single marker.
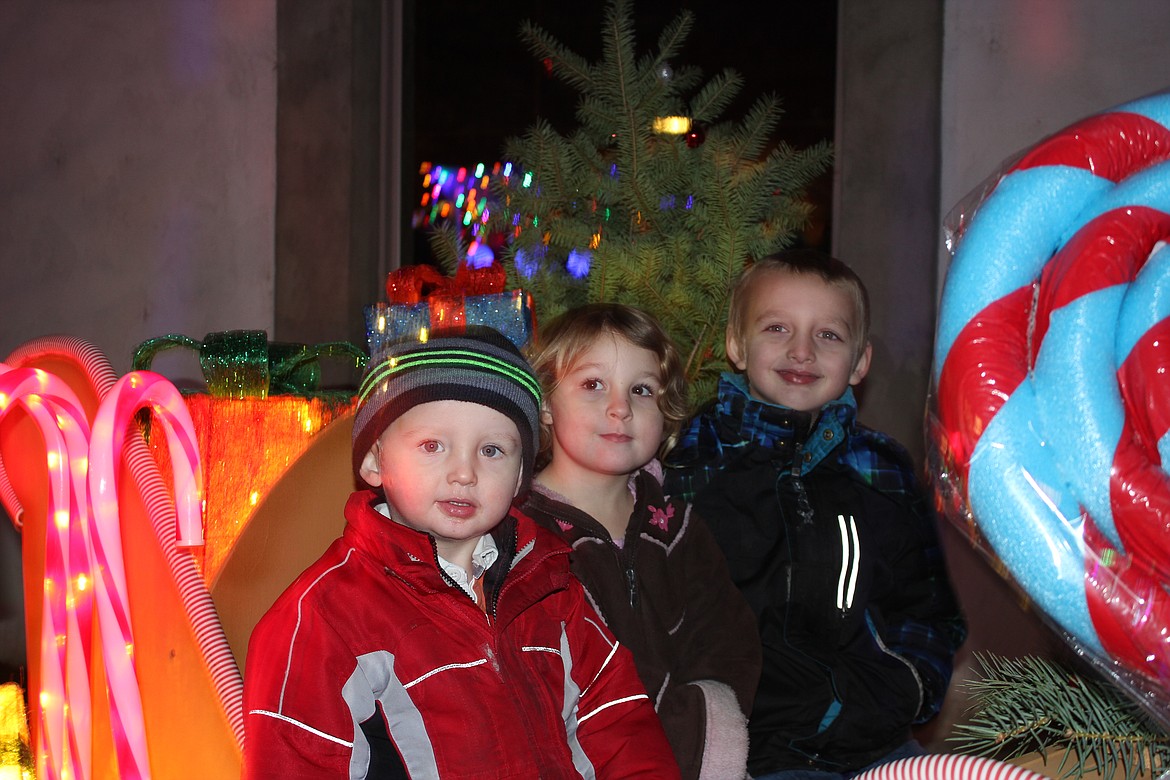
(806, 262)
(570, 335)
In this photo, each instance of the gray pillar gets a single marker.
(885, 209)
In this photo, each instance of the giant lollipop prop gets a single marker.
(1050, 403)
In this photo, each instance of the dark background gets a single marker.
(477, 83)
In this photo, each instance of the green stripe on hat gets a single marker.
(448, 358)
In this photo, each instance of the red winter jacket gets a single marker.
(373, 664)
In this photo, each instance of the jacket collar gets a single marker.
(745, 420)
(522, 546)
(552, 509)
(388, 542)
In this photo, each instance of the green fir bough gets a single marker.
(1027, 705)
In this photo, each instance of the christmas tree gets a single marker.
(653, 200)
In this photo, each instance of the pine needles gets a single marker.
(1030, 704)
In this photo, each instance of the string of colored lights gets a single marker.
(461, 195)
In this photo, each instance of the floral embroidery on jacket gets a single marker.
(661, 518)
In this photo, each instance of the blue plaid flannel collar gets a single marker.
(774, 426)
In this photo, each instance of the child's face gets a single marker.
(449, 469)
(799, 344)
(604, 413)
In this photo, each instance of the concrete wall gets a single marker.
(336, 226)
(885, 195)
(1014, 72)
(137, 180)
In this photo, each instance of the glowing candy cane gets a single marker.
(64, 739)
(130, 394)
(1056, 462)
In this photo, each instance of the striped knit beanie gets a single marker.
(477, 364)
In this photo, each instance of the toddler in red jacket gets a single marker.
(443, 635)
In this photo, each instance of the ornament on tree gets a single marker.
(665, 72)
(696, 136)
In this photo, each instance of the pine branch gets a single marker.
(750, 140)
(447, 246)
(568, 66)
(673, 36)
(714, 98)
(1031, 704)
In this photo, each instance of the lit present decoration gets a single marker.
(235, 478)
(420, 299)
(270, 390)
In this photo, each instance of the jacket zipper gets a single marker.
(632, 586)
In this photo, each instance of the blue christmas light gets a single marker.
(528, 262)
(578, 263)
(480, 255)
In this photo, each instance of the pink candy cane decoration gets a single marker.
(63, 746)
(133, 392)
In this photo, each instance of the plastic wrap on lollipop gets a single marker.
(1050, 400)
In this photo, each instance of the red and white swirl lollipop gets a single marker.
(1035, 437)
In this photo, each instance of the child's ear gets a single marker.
(735, 353)
(519, 482)
(545, 414)
(862, 367)
(370, 470)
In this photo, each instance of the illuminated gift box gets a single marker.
(421, 300)
(266, 391)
